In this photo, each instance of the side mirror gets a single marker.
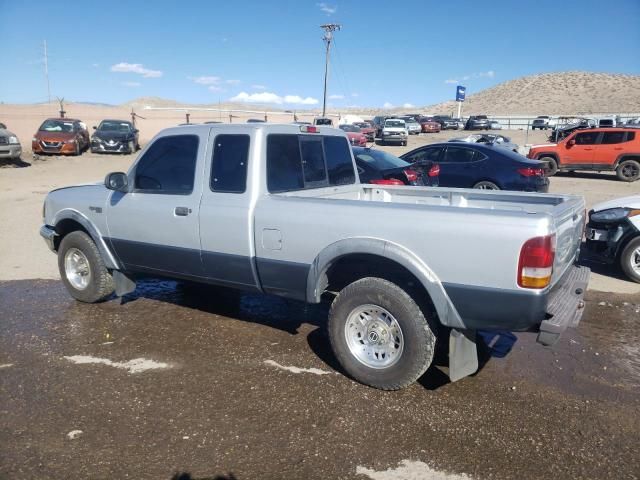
(95, 128)
(117, 181)
(571, 143)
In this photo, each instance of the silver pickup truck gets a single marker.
(278, 209)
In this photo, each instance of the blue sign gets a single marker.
(460, 92)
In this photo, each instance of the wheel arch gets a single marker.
(69, 220)
(378, 257)
(626, 156)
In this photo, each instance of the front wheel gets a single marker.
(628, 171)
(630, 260)
(380, 335)
(552, 165)
(486, 185)
(82, 269)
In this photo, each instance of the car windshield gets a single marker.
(350, 128)
(379, 160)
(394, 123)
(56, 126)
(111, 126)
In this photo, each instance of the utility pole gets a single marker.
(328, 28)
(46, 71)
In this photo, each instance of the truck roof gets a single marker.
(276, 127)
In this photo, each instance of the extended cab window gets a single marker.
(459, 155)
(586, 138)
(168, 166)
(229, 165)
(426, 154)
(296, 162)
(609, 138)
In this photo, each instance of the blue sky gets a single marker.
(393, 53)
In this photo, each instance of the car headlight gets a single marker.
(613, 215)
(13, 140)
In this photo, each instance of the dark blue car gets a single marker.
(484, 166)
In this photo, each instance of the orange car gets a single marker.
(429, 125)
(595, 149)
(66, 136)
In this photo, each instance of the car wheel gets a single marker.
(486, 185)
(630, 260)
(404, 144)
(628, 170)
(552, 165)
(379, 334)
(82, 269)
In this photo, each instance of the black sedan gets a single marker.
(382, 168)
(114, 136)
(483, 166)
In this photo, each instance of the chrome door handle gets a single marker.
(182, 211)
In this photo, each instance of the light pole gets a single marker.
(328, 28)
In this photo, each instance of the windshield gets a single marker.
(349, 128)
(394, 123)
(56, 126)
(379, 160)
(112, 126)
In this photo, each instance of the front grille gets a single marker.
(51, 144)
(4, 141)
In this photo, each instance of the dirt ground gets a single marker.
(22, 192)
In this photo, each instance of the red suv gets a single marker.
(596, 149)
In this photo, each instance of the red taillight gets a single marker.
(531, 172)
(536, 262)
(411, 175)
(434, 171)
(309, 129)
(390, 181)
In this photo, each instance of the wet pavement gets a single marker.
(192, 383)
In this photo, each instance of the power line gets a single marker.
(328, 28)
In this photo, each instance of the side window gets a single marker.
(168, 166)
(426, 154)
(313, 167)
(630, 136)
(586, 138)
(284, 164)
(339, 163)
(229, 164)
(459, 155)
(609, 138)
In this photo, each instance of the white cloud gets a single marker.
(216, 88)
(466, 77)
(328, 9)
(258, 87)
(131, 84)
(488, 74)
(452, 81)
(136, 68)
(336, 97)
(408, 105)
(232, 82)
(95, 65)
(268, 97)
(355, 94)
(206, 80)
(387, 105)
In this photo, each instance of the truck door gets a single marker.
(226, 229)
(154, 226)
(580, 149)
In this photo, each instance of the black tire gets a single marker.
(553, 165)
(100, 283)
(404, 144)
(628, 256)
(628, 170)
(419, 337)
(486, 185)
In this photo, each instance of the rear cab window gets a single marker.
(229, 163)
(298, 162)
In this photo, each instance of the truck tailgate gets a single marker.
(569, 219)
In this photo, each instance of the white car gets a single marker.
(395, 131)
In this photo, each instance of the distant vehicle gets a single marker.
(607, 149)
(482, 166)
(356, 137)
(382, 168)
(63, 136)
(446, 122)
(413, 127)
(394, 131)
(115, 136)
(541, 122)
(477, 122)
(367, 130)
(563, 130)
(613, 234)
(429, 125)
(378, 123)
(495, 125)
(606, 122)
(498, 140)
(461, 123)
(324, 121)
(256, 120)
(10, 147)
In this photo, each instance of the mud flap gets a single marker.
(123, 283)
(463, 355)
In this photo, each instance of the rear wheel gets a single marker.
(628, 170)
(630, 260)
(552, 168)
(486, 185)
(82, 269)
(379, 334)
